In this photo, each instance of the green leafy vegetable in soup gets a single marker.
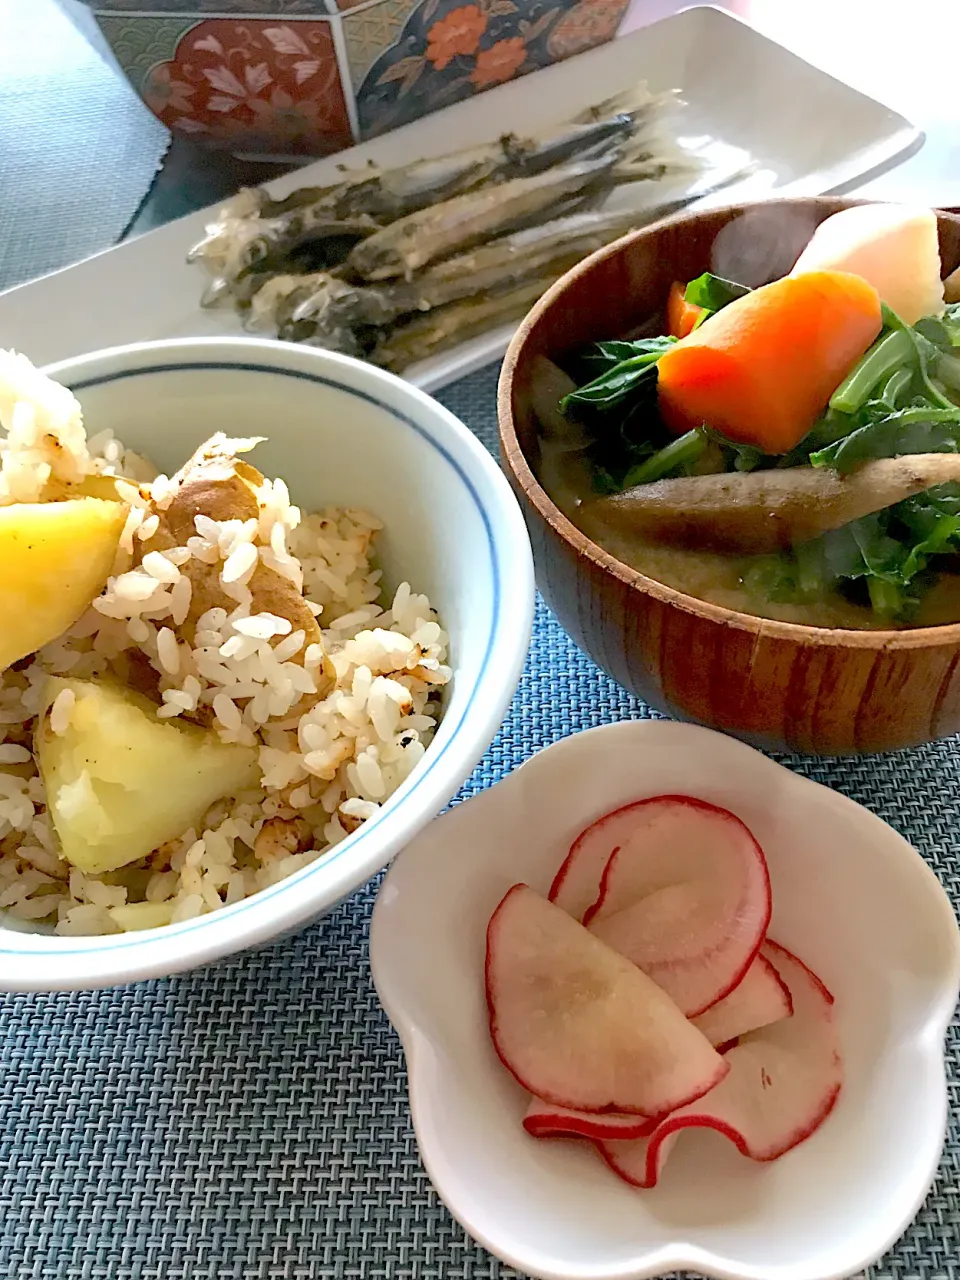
(713, 292)
(857, 524)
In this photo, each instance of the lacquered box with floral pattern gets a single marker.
(308, 77)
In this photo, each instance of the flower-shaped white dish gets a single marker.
(851, 897)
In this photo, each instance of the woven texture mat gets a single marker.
(250, 1121)
(78, 149)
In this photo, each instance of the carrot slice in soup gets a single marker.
(681, 314)
(762, 370)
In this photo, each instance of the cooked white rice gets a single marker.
(325, 769)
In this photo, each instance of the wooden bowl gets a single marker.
(778, 685)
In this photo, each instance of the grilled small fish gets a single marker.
(222, 250)
(458, 224)
(429, 334)
(325, 310)
(546, 250)
(533, 251)
(276, 303)
(233, 247)
(356, 304)
(254, 226)
(314, 239)
(394, 193)
(271, 207)
(243, 218)
(329, 338)
(216, 294)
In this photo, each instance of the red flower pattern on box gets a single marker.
(457, 34)
(448, 50)
(589, 23)
(260, 86)
(498, 63)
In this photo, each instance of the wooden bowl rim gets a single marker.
(799, 633)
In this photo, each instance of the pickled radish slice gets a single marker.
(758, 1000)
(784, 1081)
(577, 884)
(543, 1120)
(580, 1026)
(685, 895)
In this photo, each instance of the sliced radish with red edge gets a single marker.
(685, 895)
(543, 1120)
(580, 1026)
(784, 1081)
(758, 1000)
(577, 884)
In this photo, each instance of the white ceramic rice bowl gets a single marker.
(340, 433)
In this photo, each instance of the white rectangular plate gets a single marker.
(806, 132)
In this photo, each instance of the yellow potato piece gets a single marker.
(55, 558)
(120, 782)
(57, 490)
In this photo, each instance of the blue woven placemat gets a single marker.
(250, 1121)
(78, 149)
